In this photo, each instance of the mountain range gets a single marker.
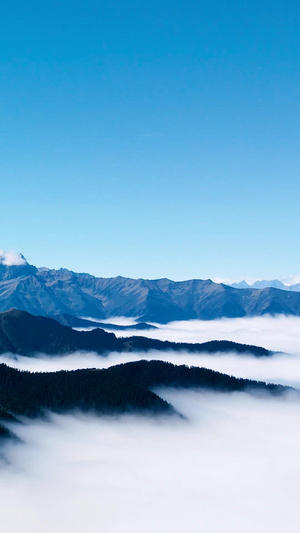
(49, 292)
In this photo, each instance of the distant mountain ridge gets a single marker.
(47, 292)
(263, 284)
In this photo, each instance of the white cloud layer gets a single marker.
(275, 333)
(231, 467)
(11, 258)
(281, 368)
(281, 334)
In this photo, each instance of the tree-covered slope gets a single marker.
(119, 389)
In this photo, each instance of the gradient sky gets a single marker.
(152, 139)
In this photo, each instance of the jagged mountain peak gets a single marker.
(14, 266)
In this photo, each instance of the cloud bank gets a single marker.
(231, 467)
(280, 333)
(281, 368)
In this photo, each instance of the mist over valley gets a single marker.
(232, 451)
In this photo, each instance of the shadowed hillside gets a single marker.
(22, 333)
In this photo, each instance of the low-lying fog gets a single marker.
(232, 466)
(280, 333)
(281, 368)
(274, 333)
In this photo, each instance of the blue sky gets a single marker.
(151, 139)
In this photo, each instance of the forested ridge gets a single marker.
(118, 389)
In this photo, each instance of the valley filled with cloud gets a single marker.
(229, 464)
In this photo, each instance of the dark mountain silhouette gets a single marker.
(25, 334)
(58, 292)
(119, 389)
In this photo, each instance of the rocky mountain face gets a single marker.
(59, 292)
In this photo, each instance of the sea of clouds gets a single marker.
(281, 334)
(231, 465)
(275, 333)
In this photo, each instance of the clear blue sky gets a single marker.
(152, 139)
